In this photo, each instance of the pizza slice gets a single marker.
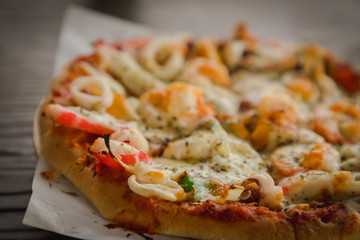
(210, 139)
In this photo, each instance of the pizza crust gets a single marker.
(66, 150)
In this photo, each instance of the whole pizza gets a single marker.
(209, 138)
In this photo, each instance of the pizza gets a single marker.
(207, 138)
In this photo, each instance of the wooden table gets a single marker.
(28, 37)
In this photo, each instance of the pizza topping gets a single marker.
(262, 190)
(291, 159)
(146, 180)
(304, 87)
(278, 120)
(149, 182)
(212, 79)
(178, 106)
(132, 136)
(91, 70)
(232, 52)
(207, 48)
(201, 144)
(91, 92)
(122, 108)
(114, 153)
(185, 182)
(338, 122)
(88, 121)
(223, 100)
(212, 159)
(229, 193)
(270, 56)
(350, 157)
(164, 57)
(347, 77)
(320, 186)
(205, 71)
(130, 73)
(253, 87)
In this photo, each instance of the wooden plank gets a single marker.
(18, 200)
(11, 227)
(33, 233)
(12, 181)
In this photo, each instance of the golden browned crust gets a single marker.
(66, 150)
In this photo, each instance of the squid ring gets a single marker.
(163, 57)
(91, 92)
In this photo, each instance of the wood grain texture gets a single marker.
(29, 32)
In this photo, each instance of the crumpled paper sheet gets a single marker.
(57, 205)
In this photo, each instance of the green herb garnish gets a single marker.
(185, 182)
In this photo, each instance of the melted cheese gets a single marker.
(210, 156)
(254, 87)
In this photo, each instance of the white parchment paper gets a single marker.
(57, 205)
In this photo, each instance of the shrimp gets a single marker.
(239, 125)
(233, 52)
(164, 57)
(336, 185)
(178, 106)
(278, 120)
(211, 78)
(121, 108)
(241, 32)
(338, 122)
(348, 116)
(292, 159)
(315, 60)
(206, 71)
(88, 121)
(304, 87)
(269, 56)
(208, 49)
